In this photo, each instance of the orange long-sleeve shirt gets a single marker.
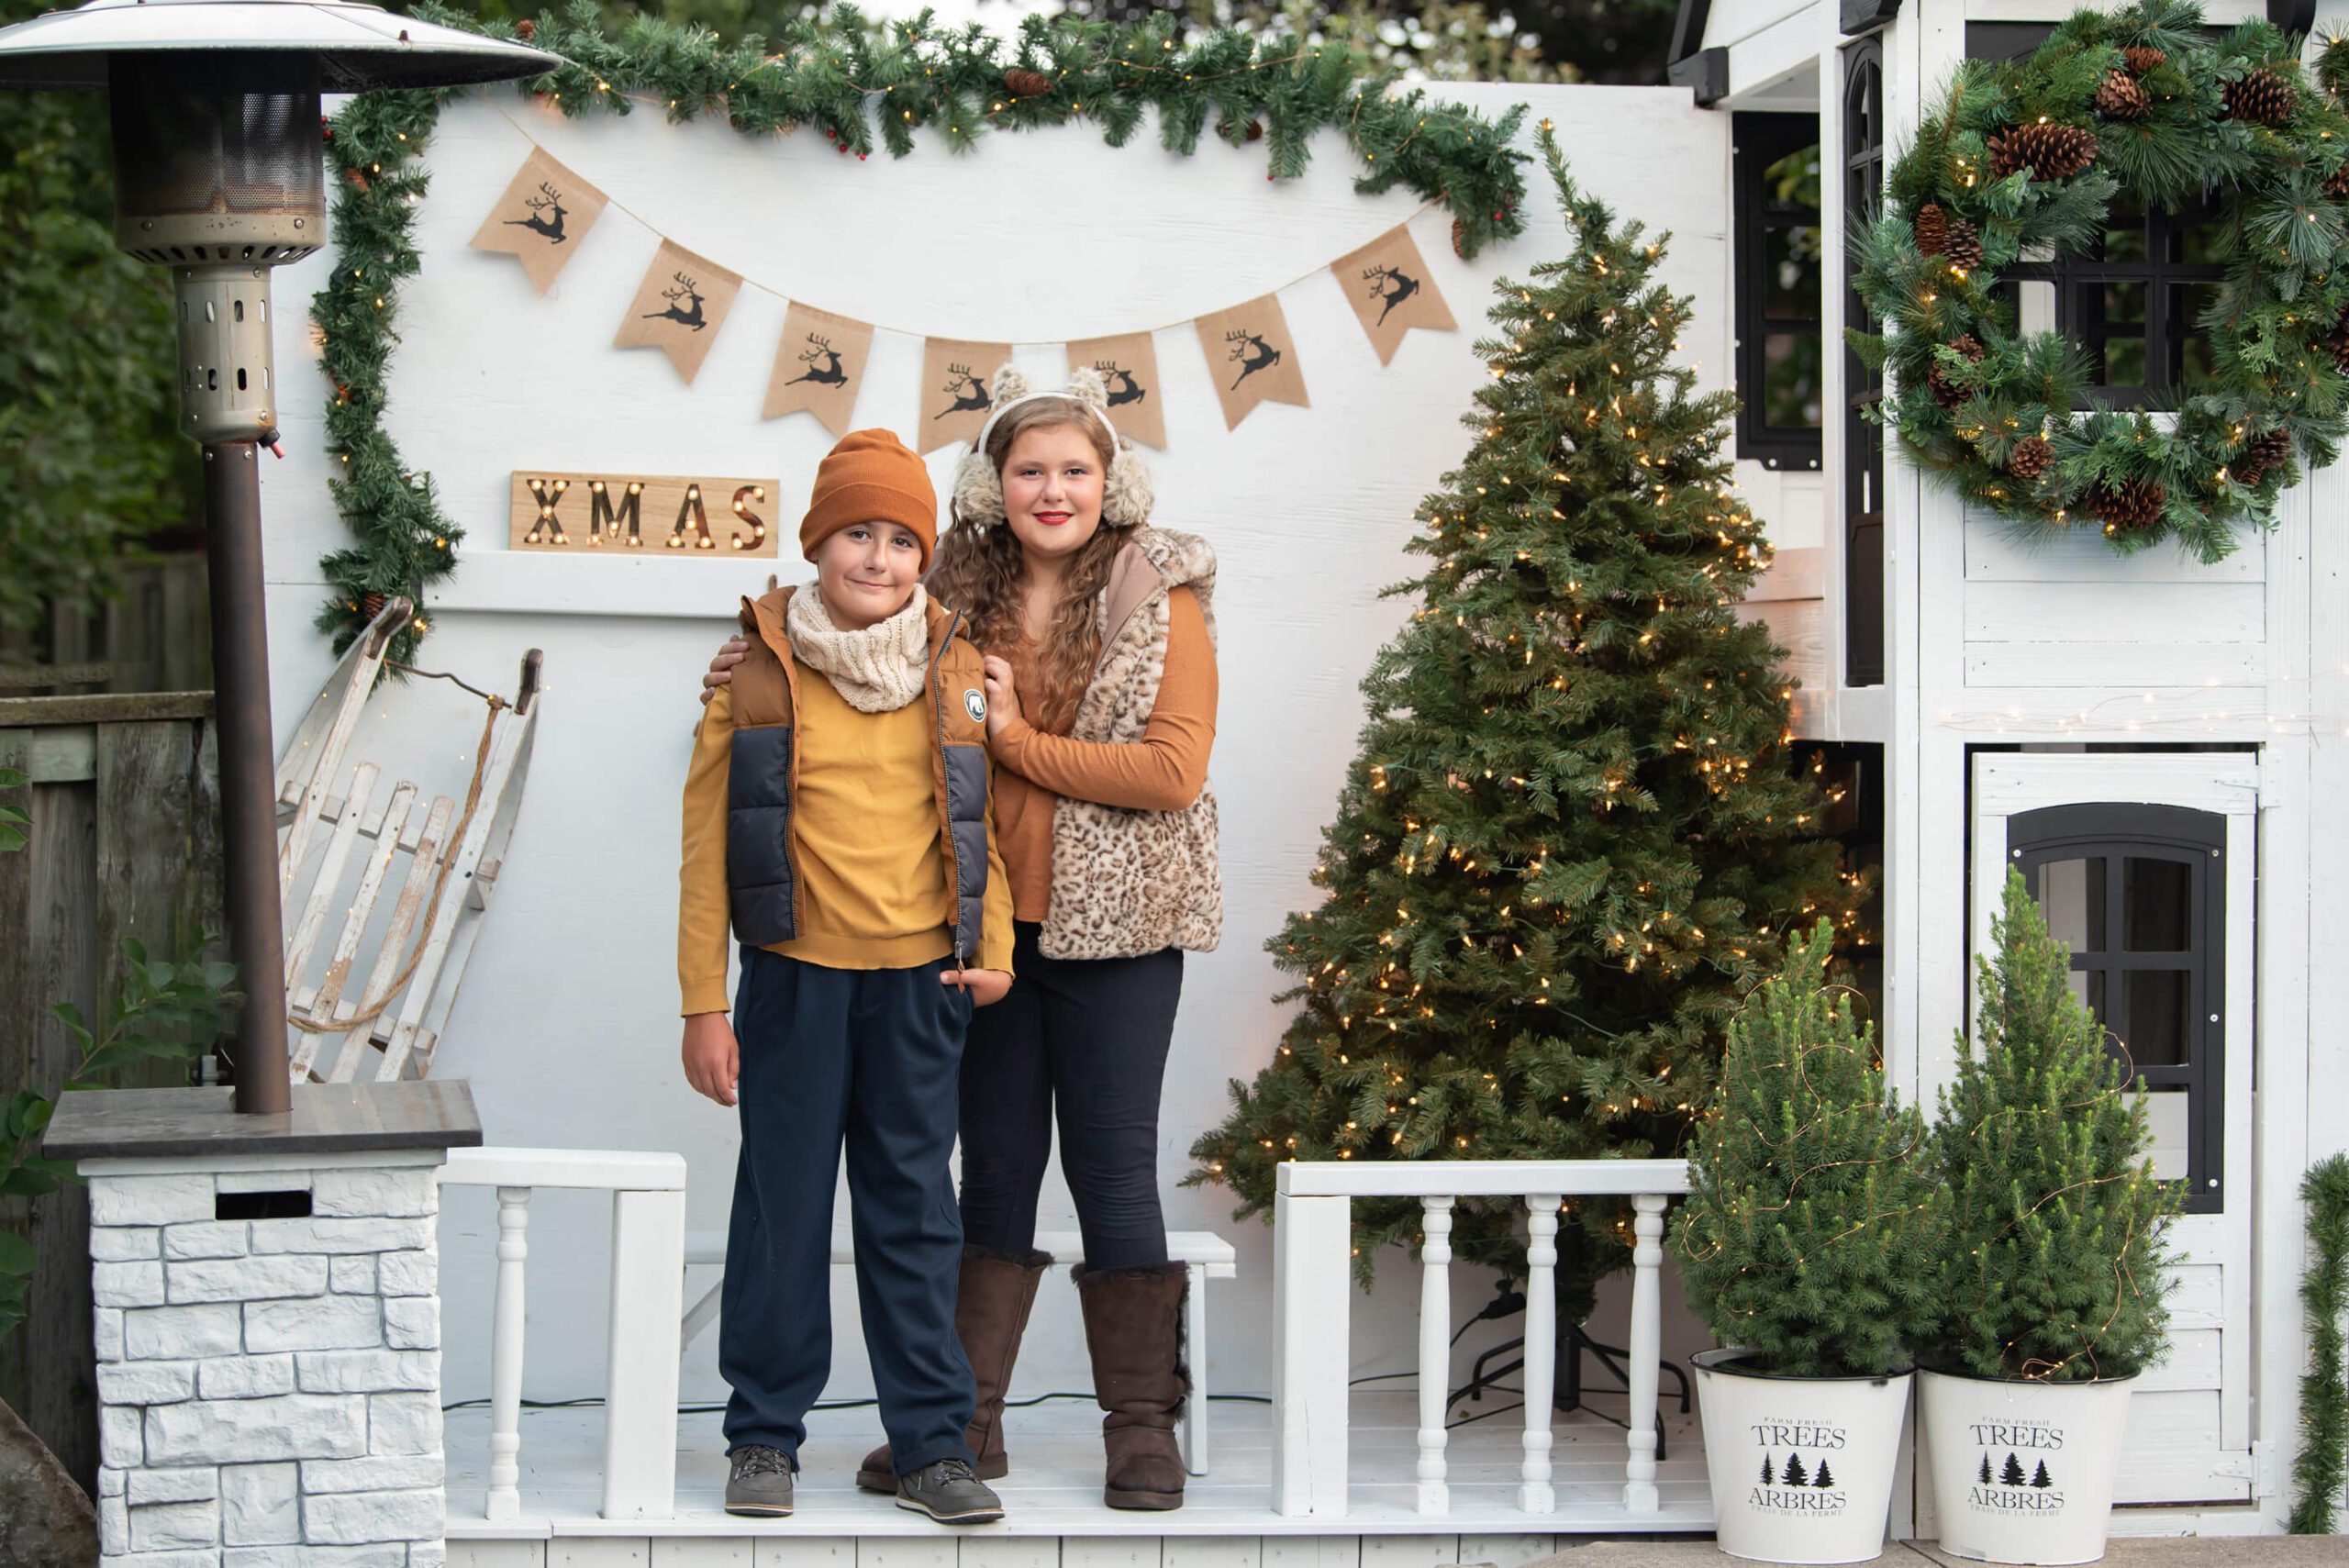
(1165, 771)
(865, 833)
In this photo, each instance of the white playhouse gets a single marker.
(2127, 729)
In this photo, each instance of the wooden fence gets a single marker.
(124, 842)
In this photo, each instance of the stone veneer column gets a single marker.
(268, 1322)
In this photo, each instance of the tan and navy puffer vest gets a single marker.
(762, 875)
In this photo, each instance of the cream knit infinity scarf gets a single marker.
(877, 669)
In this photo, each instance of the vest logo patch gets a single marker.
(975, 704)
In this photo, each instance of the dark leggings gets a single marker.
(1090, 1036)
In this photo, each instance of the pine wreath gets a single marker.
(2030, 155)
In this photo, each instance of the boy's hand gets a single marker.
(721, 669)
(713, 1059)
(987, 986)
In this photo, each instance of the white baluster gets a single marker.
(1535, 1494)
(1435, 1352)
(1640, 1495)
(504, 1499)
(641, 1399)
(1312, 1288)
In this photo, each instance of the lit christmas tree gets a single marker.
(1573, 835)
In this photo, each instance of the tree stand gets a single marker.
(1566, 1393)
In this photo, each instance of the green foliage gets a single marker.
(13, 821)
(2318, 1472)
(2052, 1257)
(1444, 40)
(846, 76)
(88, 458)
(2287, 281)
(169, 1010)
(1570, 841)
(1805, 1237)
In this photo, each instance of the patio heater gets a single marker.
(220, 175)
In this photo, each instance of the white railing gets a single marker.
(648, 1273)
(1312, 1283)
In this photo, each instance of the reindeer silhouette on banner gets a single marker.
(1391, 285)
(970, 393)
(830, 374)
(689, 318)
(1252, 352)
(1123, 387)
(537, 223)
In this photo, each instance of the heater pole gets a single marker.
(248, 770)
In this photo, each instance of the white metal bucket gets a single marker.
(1801, 1467)
(2024, 1471)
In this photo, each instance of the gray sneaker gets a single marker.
(948, 1493)
(758, 1482)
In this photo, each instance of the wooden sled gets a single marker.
(455, 848)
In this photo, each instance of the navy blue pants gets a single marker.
(870, 1056)
(1087, 1037)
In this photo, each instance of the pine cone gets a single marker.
(2120, 98)
(1964, 250)
(2336, 184)
(2050, 152)
(2338, 341)
(1946, 392)
(2134, 504)
(2261, 98)
(2260, 457)
(1459, 239)
(371, 605)
(1026, 83)
(2030, 458)
(526, 30)
(1252, 131)
(1933, 229)
(2142, 58)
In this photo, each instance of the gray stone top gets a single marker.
(157, 1123)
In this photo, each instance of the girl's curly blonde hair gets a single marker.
(978, 570)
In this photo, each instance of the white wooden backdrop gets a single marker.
(567, 1026)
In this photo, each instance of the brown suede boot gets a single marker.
(991, 1305)
(1133, 1325)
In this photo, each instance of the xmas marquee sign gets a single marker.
(550, 510)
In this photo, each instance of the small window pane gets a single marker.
(2124, 301)
(2198, 238)
(2169, 1111)
(1791, 381)
(2124, 233)
(2155, 1029)
(1790, 273)
(2153, 905)
(2071, 895)
(2088, 985)
(2124, 362)
(2196, 368)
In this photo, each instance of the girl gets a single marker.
(836, 813)
(1101, 693)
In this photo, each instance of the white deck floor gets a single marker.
(1055, 1488)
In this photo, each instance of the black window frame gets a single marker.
(2117, 832)
(2079, 281)
(1758, 141)
(1863, 504)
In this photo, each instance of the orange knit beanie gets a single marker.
(870, 477)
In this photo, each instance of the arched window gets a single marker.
(2138, 894)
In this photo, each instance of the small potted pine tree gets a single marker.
(2050, 1267)
(1803, 1245)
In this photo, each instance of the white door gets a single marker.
(2143, 863)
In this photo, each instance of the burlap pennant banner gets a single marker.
(1387, 283)
(956, 391)
(1129, 364)
(679, 308)
(1251, 357)
(541, 218)
(818, 366)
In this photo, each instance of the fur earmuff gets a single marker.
(1126, 495)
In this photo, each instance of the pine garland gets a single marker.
(2032, 153)
(1804, 1238)
(1572, 837)
(863, 85)
(2318, 1473)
